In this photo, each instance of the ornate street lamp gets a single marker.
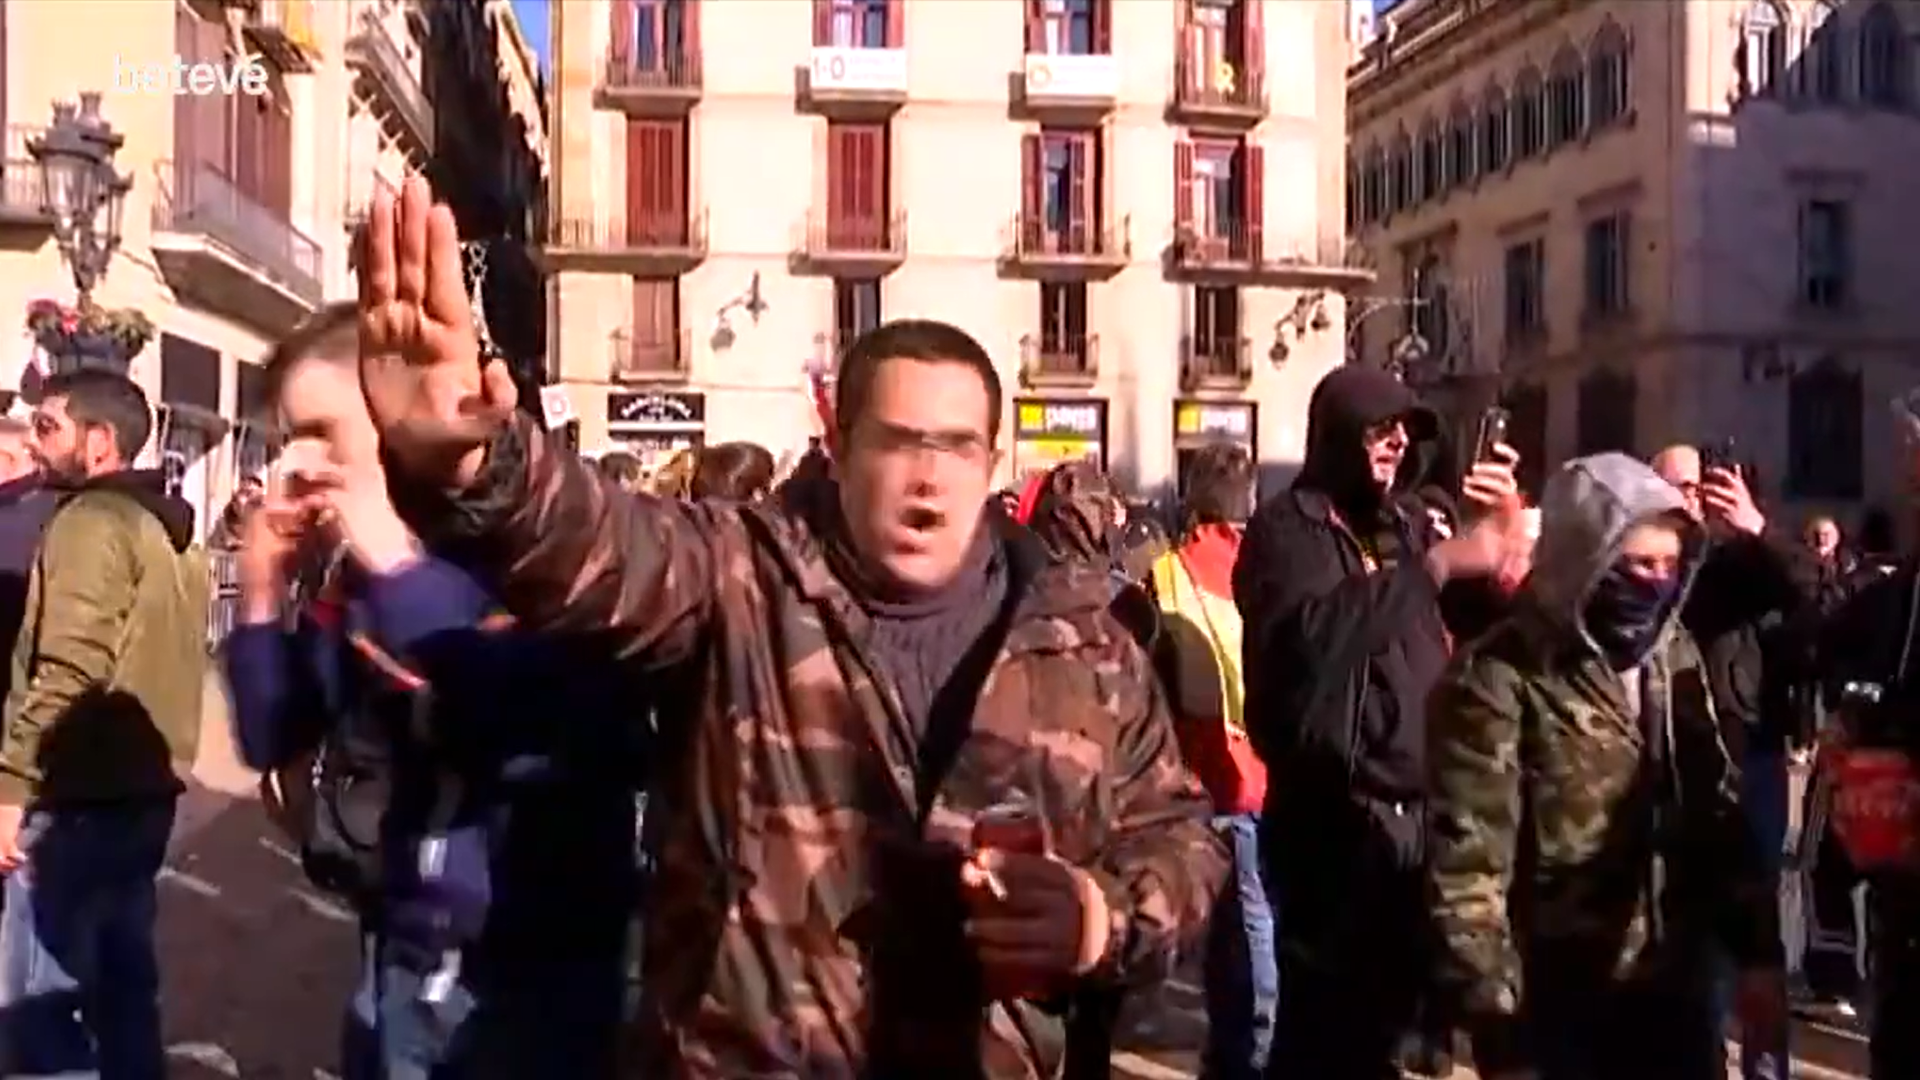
(81, 188)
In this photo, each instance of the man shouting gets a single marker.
(925, 783)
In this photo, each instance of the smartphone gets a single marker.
(1718, 455)
(1492, 433)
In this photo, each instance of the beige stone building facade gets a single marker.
(1649, 222)
(233, 227)
(1134, 206)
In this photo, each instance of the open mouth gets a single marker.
(922, 518)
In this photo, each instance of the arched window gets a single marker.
(1375, 182)
(1607, 76)
(1430, 181)
(1566, 98)
(1604, 413)
(1461, 159)
(1883, 58)
(1356, 207)
(1824, 63)
(1496, 132)
(1824, 439)
(1762, 52)
(1400, 175)
(1529, 115)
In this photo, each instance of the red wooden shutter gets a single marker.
(213, 120)
(1102, 27)
(896, 23)
(1183, 190)
(822, 23)
(1033, 211)
(839, 176)
(870, 196)
(1253, 56)
(689, 59)
(280, 159)
(1080, 194)
(621, 52)
(1254, 193)
(673, 164)
(637, 179)
(1036, 26)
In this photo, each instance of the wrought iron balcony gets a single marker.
(646, 244)
(283, 31)
(216, 243)
(1059, 359)
(852, 245)
(1037, 247)
(650, 357)
(1329, 261)
(1229, 247)
(1217, 92)
(23, 194)
(1215, 362)
(662, 85)
(373, 54)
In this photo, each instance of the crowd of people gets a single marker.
(869, 769)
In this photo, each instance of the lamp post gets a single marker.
(1404, 355)
(81, 188)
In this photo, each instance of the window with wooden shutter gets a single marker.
(1102, 17)
(1253, 50)
(895, 30)
(1064, 345)
(622, 34)
(656, 182)
(654, 342)
(1184, 194)
(823, 19)
(1032, 192)
(1253, 195)
(857, 186)
(1036, 26)
(1080, 159)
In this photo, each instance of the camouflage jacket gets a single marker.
(805, 919)
(1579, 840)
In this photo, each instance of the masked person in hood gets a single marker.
(100, 724)
(1589, 848)
(1338, 583)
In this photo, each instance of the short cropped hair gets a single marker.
(620, 467)
(1219, 488)
(733, 470)
(926, 340)
(330, 333)
(107, 399)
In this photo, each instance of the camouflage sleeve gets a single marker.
(1473, 753)
(1162, 865)
(568, 552)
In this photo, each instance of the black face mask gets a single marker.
(1625, 613)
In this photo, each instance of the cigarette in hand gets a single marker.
(975, 874)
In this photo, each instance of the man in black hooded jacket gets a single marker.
(1339, 583)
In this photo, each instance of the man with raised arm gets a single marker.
(925, 783)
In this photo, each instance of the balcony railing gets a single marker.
(283, 32)
(198, 200)
(23, 195)
(356, 211)
(664, 84)
(1208, 360)
(644, 243)
(1224, 245)
(1218, 90)
(1086, 245)
(1055, 359)
(643, 357)
(373, 51)
(876, 241)
(1331, 260)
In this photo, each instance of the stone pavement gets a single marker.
(255, 965)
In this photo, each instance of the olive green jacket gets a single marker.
(1580, 836)
(111, 656)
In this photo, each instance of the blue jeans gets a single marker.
(79, 978)
(554, 1018)
(1242, 968)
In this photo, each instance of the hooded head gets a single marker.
(1076, 513)
(1361, 425)
(1616, 552)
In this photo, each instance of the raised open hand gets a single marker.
(420, 368)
